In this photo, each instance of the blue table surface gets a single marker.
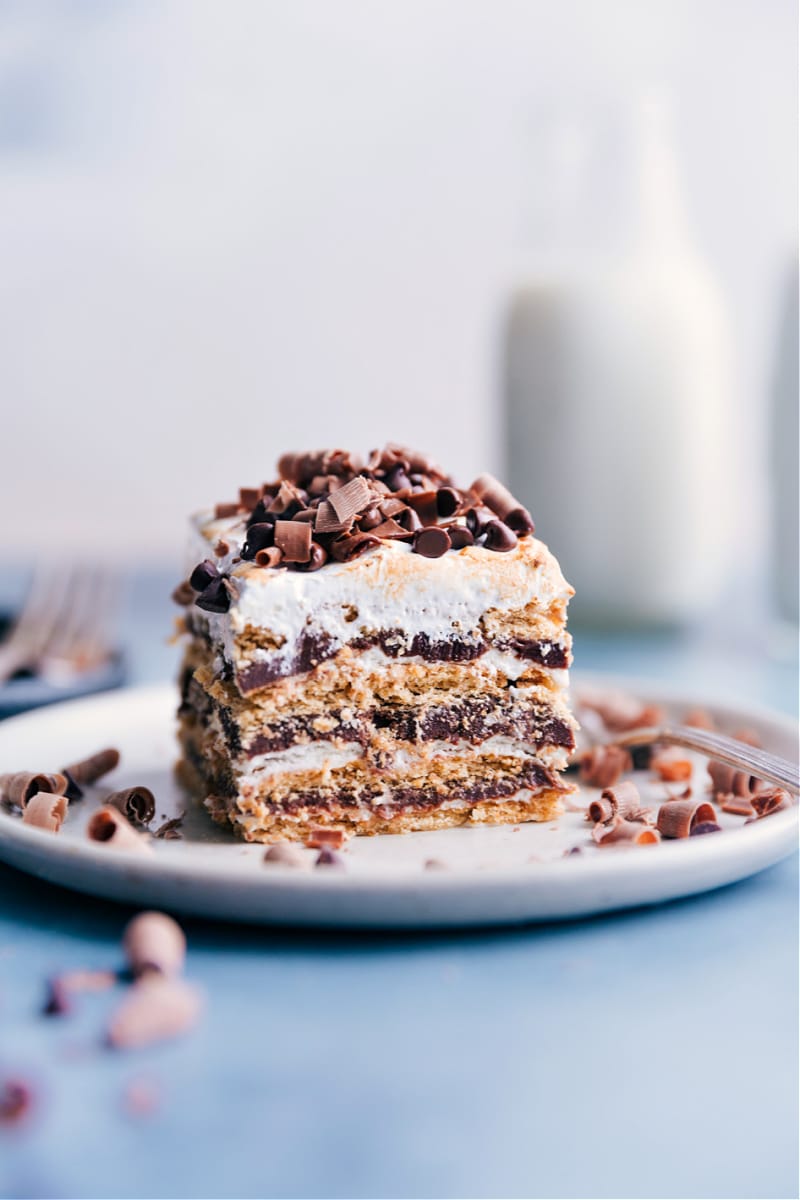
(647, 1054)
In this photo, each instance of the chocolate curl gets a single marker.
(138, 804)
(270, 556)
(770, 801)
(600, 811)
(154, 942)
(670, 767)
(351, 499)
(391, 506)
(18, 788)
(155, 1008)
(327, 520)
(108, 825)
(625, 801)
(45, 811)
(171, 830)
(89, 770)
(623, 832)
(351, 546)
(727, 780)
(389, 529)
(602, 766)
(293, 538)
(287, 500)
(317, 558)
(677, 818)
(500, 500)
(249, 497)
(286, 854)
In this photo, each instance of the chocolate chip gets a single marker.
(215, 598)
(259, 537)
(705, 827)
(478, 518)
(425, 506)
(499, 537)
(318, 556)
(432, 542)
(328, 858)
(203, 574)
(447, 501)
(397, 480)
(460, 536)
(409, 520)
(260, 514)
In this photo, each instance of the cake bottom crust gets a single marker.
(263, 825)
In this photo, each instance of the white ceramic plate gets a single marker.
(491, 876)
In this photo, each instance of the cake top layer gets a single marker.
(329, 507)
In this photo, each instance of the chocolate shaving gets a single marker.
(389, 529)
(171, 830)
(46, 811)
(152, 941)
(334, 838)
(17, 789)
(677, 818)
(155, 1008)
(392, 506)
(222, 548)
(737, 806)
(293, 538)
(317, 558)
(621, 832)
(351, 499)
(89, 770)
(350, 546)
(110, 826)
(770, 801)
(619, 711)
(602, 766)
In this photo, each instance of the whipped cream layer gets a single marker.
(388, 589)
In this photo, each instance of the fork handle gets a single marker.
(724, 749)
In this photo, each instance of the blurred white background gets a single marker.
(231, 228)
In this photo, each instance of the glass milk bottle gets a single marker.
(618, 411)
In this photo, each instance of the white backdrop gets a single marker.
(231, 228)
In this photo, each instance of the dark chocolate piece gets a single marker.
(499, 537)
(215, 598)
(259, 537)
(203, 574)
(432, 542)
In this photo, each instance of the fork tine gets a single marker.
(736, 754)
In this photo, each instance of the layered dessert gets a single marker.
(373, 649)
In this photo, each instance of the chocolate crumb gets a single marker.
(328, 858)
(57, 1002)
(183, 594)
(435, 864)
(286, 854)
(171, 829)
(335, 838)
(16, 1101)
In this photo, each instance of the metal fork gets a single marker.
(759, 763)
(63, 629)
